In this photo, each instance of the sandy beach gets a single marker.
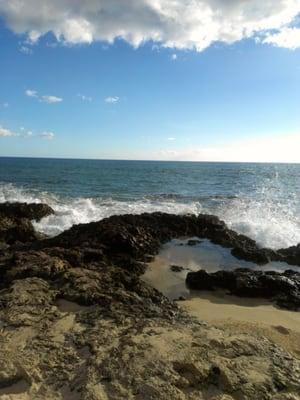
(238, 315)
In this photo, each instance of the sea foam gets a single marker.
(272, 223)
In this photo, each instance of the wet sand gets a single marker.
(218, 308)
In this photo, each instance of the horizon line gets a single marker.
(150, 160)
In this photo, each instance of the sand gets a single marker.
(216, 306)
(240, 315)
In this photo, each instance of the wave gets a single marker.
(271, 222)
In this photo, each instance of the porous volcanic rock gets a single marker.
(32, 211)
(137, 236)
(77, 322)
(283, 288)
(15, 221)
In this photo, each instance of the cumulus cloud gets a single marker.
(31, 93)
(6, 132)
(50, 99)
(184, 24)
(287, 37)
(43, 99)
(112, 99)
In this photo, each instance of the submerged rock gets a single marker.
(283, 288)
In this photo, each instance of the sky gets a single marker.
(159, 80)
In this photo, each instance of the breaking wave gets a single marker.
(272, 222)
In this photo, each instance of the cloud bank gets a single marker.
(182, 24)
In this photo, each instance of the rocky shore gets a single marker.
(76, 321)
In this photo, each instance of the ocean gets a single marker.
(259, 200)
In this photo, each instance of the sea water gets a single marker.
(259, 200)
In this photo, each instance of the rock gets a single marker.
(77, 322)
(136, 236)
(284, 289)
(15, 221)
(24, 210)
(194, 242)
(291, 255)
(13, 230)
(176, 268)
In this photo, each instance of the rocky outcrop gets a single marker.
(283, 288)
(137, 236)
(34, 211)
(76, 322)
(15, 221)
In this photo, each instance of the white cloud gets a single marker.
(5, 105)
(47, 135)
(50, 99)
(279, 148)
(287, 37)
(174, 57)
(31, 93)
(112, 99)
(171, 139)
(6, 132)
(26, 50)
(43, 99)
(85, 98)
(182, 24)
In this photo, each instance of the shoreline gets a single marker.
(78, 322)
(216, 306)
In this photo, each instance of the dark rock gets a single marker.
(283, 288)
(24, 210)
(291, 255)
(193, 242)
(13, 230)
(15, 221)
(139, 235)
(176, 268)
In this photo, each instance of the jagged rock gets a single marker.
(193, 242)
(137, 236)
(34, 211)
(13, 230)
(291, 255)
(176, 268)
(77, 322)
(15, 221)
(283, 288)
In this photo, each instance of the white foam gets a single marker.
(271, 222)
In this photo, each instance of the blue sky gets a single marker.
(82, 97)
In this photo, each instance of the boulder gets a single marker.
(282, 288)
(34, 211)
